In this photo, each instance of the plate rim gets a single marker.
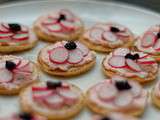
(111, 3)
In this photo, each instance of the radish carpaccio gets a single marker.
(16, 72)
(14, 34)
(63, 55)
(130, 63)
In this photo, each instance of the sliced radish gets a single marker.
(27, 68)
(146, 61)
(55, 101)
(133, 65)
(120, 27)
(65, 85)
(117, 61)
(5, 25)
(109, 36)
(20, 37)
(157, 45)
(107, 92)
(35, 88)
(16, 61)
(58, 55)
(142, 55)
(70, 97)
(3, 29)
(23, 63)
(6, 75)
(24, 29)
(41, 94)
(121, 51)
(54, 28)
(136, 88)
(96, 33)
(6, 35)
(123, 34)
(83, 48)
(49, 21)
(68, 25)
(148, 40)
(2, 65)
(124, 99)
(75, 56)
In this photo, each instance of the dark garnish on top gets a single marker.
(25, 116)
(61, 17)
(70, 45)
(14, 27)
(122, 85)
(10, 65)
(114, 29)
(132, 57)
(53, 85)
(158, 35)
(105, 118)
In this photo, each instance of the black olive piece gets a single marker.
(105, 118)
(61, 17)
(70, 45)
(14, 27)
(53, 85)
(10, 65)
(129, 56)
(158, 35)
(136, 56)
(114, 29)
(122, 85)
(25, 116)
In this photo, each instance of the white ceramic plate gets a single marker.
(136, 19)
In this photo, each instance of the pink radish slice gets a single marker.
(5, 35)
(6, 75)
(70, 97)
(75, 56)
(2, 65)
(5, 25)
(27, 68)
(117, 61)
(157, 45)
(133, 65)
(54, 28)
(107, 92)
(83, 48)
(109, 36)
(96, 33)
(68, 25)
(124, 99)
(24, 29)
(58, 55)
(35, 88)
(146, 61)
(3, 29)
(16, 61)
(123, 34)
(23, 63)
(55, 101)
(121, 51)
(49, 21)
(142, 55)
(65, 85)
(136, 88)
(148, 40)
(20, 37)
(42, 94)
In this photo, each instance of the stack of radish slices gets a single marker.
(123, 58)
(55, 95)
(11, 70)
(10, 32)
(63, 54)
